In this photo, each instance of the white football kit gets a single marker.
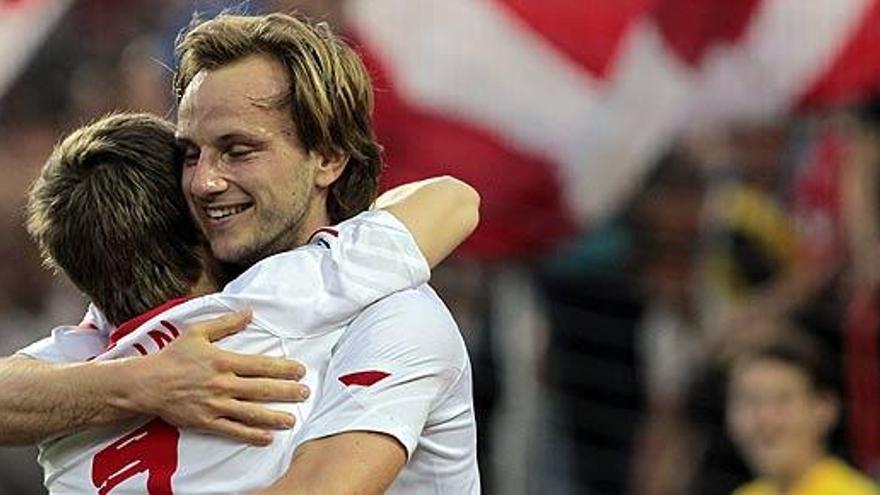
(398, 367)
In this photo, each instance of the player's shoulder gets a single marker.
(284, 271)
(756, 487)
(418, 305)
(275, 270)
(412, 322)
(840, 477)
(422, 297)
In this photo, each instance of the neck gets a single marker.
(211, 278)
(204, 285)
(315, 218)
(789, 479)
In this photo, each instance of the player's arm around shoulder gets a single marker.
(37, 399)
(440, 213)
(397, 360)
(189, 383)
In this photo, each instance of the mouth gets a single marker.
(767, 445)
(217, 214)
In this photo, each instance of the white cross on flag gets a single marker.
(554, 109)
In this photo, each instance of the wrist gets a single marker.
(122, 379)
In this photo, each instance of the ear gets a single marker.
(329, 169)
(828, 411)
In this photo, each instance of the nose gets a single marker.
(769, 416)
(206, 176)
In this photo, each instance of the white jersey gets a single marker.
(401, 368)
(306, 306)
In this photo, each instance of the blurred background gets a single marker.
(663, 181)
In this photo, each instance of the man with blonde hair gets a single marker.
(275, 118)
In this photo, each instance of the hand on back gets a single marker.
(192, 383)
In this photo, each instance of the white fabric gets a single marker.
(71, 344)
(425, 402)
(322, 285)
(304, 301)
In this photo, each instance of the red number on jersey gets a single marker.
(151, 448)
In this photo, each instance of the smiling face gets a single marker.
(250, 185)
(777, 417)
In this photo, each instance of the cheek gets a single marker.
(805, 424)
(739, 423)
(186, 178)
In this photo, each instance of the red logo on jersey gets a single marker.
(363, 378)
(151, 448)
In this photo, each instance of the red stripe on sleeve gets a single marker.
(364, 378)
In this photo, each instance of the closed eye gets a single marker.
(191, 157)
(239, 151)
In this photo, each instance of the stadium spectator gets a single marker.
(667, 227)
(757, 266)
(781, 407)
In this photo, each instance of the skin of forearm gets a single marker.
(355, 463)
(439, 212)
(39, 400)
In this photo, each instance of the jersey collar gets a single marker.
(130, 325)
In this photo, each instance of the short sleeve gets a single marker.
(392, 365)
(70, 344)
(330, 280)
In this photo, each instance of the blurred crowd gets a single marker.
(745, 237)
(601, 367)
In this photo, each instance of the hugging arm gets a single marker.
(439, 212)
(361, 260)
(38, 399)
(189, 383)
(361, 462)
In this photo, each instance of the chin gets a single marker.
(229, 254)
(769, 465)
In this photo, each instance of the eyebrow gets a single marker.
(222, 140)
(237, 136)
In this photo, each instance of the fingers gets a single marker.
(238, 431)
(263, 366)
(268, 390)
(253, 415)
(223, 326)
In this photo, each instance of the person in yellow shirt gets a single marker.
(781, 407)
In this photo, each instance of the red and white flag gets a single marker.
(554, 109)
